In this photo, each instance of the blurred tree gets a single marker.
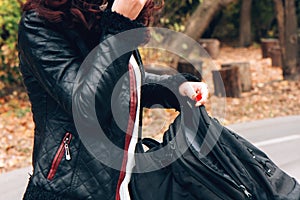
(197, 23)
(287, 27)
(175, 13)
(228, 23)
(10, 13)
(227, 28)
(245, 35)
(202, 16)
(298, 12)
(263, 20)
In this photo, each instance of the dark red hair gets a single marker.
(86, 12)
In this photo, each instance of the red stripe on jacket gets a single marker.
(130, 127)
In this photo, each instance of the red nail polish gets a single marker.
(198, 97)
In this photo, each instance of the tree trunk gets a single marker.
(244, 74)
(287, 26)
(195, 67)
(280, 21)
(230, 81)
(276, 56)
(202, 17)
(212, 46)
(245, 24)
(291, 40)
(266, 45)
(197, 24)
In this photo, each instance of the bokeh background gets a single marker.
(261, 36)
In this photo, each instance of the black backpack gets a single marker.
(201, 159)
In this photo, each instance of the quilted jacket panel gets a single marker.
(51, 57)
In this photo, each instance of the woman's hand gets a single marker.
(197, 91)
(128, 8)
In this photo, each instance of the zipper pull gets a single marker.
(67, 150)
(246, 192)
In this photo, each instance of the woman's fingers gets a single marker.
(202, 93)
(197, 91)
(186, 89)
(128, 8)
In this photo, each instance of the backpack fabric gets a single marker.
(201, 159)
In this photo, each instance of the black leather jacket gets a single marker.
(50, 59)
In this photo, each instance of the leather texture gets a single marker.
(50, 58)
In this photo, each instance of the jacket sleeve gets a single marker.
(163, 90)
(55, 61)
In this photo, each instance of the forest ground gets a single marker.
(270, 97)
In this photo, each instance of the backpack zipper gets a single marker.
(240, 187)
(231, 180)
(62, 150)
(248, 194)
(268, 170)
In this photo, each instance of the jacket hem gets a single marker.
(34, 192)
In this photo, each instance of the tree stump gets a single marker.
(244, 74)
(227, 82)
(159, 69)
(212, 46)
(267, 44)
(194, 67)
(276, 56)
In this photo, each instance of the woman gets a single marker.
(55, 37)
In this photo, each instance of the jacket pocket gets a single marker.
(63, 151)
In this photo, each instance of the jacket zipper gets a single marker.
(62, 150)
